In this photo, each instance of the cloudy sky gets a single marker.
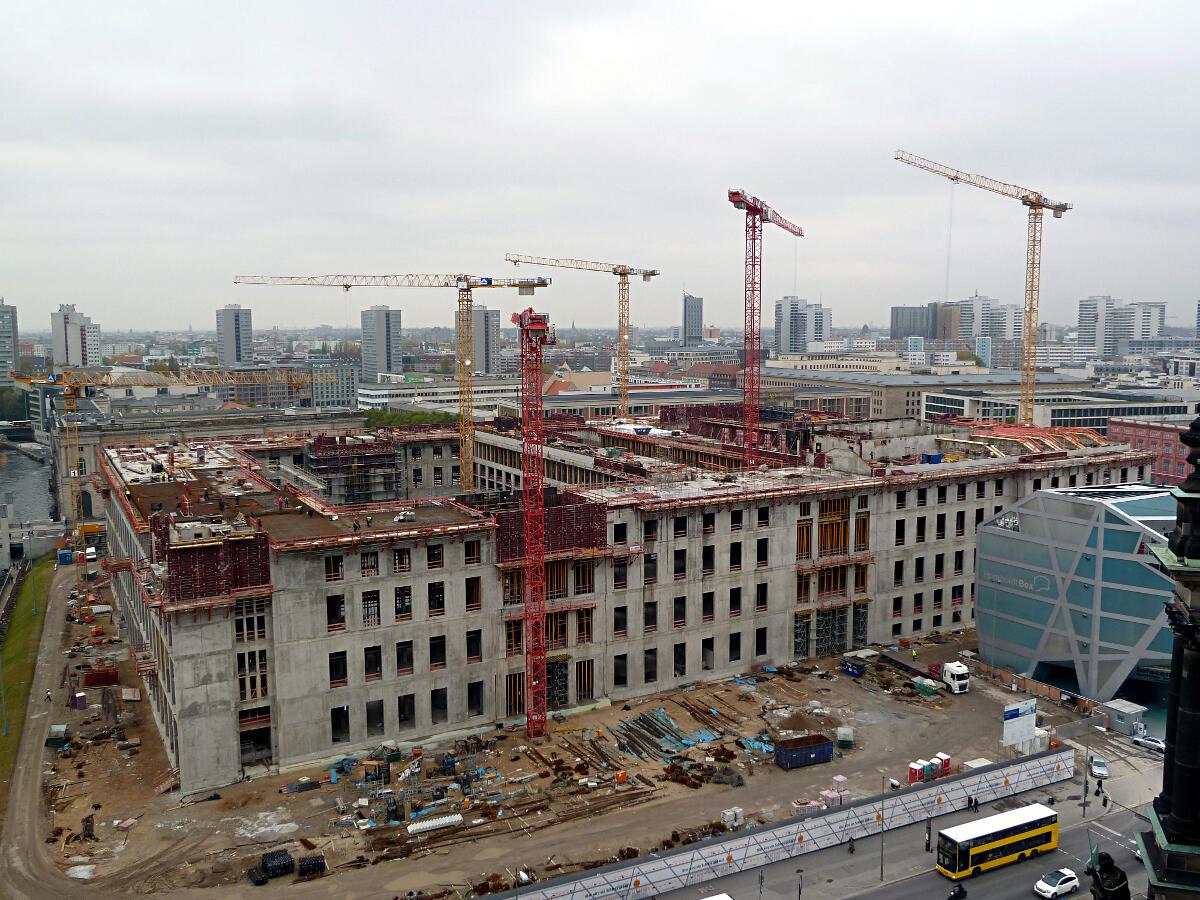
(151, 152)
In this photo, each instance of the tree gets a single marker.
(385, 418)
(12, 405)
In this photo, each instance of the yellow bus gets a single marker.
(994, 841)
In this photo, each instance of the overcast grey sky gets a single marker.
(151, 152)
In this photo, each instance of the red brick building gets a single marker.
(1160, 435)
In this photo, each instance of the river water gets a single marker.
(28, 482)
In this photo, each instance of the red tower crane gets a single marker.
(535, 333)
(756, 212)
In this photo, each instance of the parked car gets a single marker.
(1150, 743)
(1057, 883)
(1098, 766)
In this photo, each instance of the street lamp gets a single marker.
(800, 887)
(882, 789)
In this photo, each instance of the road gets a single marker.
(835, 874)
(24, 871)
(1113, 832)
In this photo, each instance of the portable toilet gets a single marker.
(1123, 716)
(915, 773)
(926, 769)
(942, 765)
(845, 737)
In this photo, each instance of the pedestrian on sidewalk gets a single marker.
(969, 802)
(47, 695)
(914, 652)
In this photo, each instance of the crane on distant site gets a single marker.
(465, 328)
(622, 272)
(1037, 205)
(75, 383)
(535, 332)
(756, 212)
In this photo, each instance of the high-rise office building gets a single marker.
(1198, 319)
(380, 343)
(8, 342)
(983, 316)
(797, 322)
(485, 333)
(914, 321)
(1107, 324)
(74, 337)
(235, 336)
(935, 321)
(693, 320)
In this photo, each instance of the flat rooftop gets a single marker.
(1004, 378)
(711, 487)
(1063, 397)
(214, 481)
(299, 525)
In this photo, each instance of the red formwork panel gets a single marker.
(217, 569)
(572, 523)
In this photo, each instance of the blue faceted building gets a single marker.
(1065, 580)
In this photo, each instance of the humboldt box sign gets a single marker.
(1019, 721)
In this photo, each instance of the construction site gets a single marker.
(335, 651)
(614, 781)
(267, 681)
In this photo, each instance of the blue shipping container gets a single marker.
(809, 750)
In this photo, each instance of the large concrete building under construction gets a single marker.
(294, 598)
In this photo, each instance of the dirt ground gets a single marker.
(552, 806)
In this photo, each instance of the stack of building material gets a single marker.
(275, 863)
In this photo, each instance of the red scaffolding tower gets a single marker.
(756, 212)
(536, 332)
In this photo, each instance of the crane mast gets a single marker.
(535, 333)
(1036, 204)
(464, 320)
(622, 272)
(756, 212)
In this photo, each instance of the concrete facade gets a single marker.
(799, 323)
(74, 337)
(9, 343)
(1082, 409)
(692, 333)
(235, 336)
(404, 622)
(381, 338)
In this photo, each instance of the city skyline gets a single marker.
(166, 170)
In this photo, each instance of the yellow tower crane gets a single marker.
(622, 272)
(466, 332)
(1037, 204)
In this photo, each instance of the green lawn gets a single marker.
(20, 656)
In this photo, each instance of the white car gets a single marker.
(1151, 743)
(1057, 883)
(1098, 766)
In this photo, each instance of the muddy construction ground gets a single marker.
(609, 782)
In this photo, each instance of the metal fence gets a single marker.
(653, 875)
